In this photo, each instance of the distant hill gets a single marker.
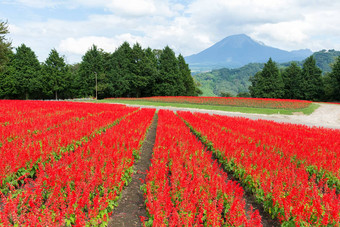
(238, 50)
(323, 58)
(236, 80)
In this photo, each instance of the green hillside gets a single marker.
(234, 81)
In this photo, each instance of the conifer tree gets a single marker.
(55, 74)
(26, 71)
(292, 79)
(312, 85)
(186, 77)
(5, 45)
(267, 83)
(92, 66)
(120, 73)
(151, 70)
(335, 77)
(168, 81)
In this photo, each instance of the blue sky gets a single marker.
(187, 26)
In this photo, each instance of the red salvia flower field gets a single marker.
(67, 163)
(231, 101)
(184, 187)
(273, 164)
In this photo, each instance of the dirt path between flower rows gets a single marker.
(327, 115)
(131, 203)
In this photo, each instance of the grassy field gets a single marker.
(241, 109)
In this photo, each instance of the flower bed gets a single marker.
(285, 188)
(83, 186)
(184, 187)
(231, 101)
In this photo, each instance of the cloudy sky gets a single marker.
(187, 26)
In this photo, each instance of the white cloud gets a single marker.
(132, 7)
(81, 45)
(287, 24)
(186, 26)
(41, 3)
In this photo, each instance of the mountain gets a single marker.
(234, 81)
(238, 50)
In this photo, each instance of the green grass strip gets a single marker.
(306, 111)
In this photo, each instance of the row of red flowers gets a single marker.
(184, 187)
(231, 101)
(317, 148)
(20, 156)
(285, 188)
(83, 186)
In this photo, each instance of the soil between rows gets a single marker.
(249, 197)
(131, 204)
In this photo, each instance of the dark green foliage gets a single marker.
(168, 81)
(150, 70)
(312, 85)
(292, 78)
(143, 71)
(237, 80)
(243, 95)
(26, 70)
(55, 77)
(294, 83)
(127, 72)
(121, 62)
(185, 73)
(8, 84)
(226, 94)
(5, 45)
(267, 83)
(91, 66)
(233, 81)
(332, 82)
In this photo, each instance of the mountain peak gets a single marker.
(238, 50)
(237, 40)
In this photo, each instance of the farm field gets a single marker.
(69, 164)
(232, 104)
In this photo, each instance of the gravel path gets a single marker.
(327, 115)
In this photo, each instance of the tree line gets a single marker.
(127, 72)
(295, 82)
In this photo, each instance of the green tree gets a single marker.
(73, 87)
(312, 84)
(151, 70)
(243, 95)
(267, 83)
(5, 45)
(226, 94)
(292, 80)
(168, 81)
(139, 71)
(120, 73)
(334, 78)
(185, 76)
(55, 74)
(8, 83)
(255, 89)
(90, 68)
(26, 70)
